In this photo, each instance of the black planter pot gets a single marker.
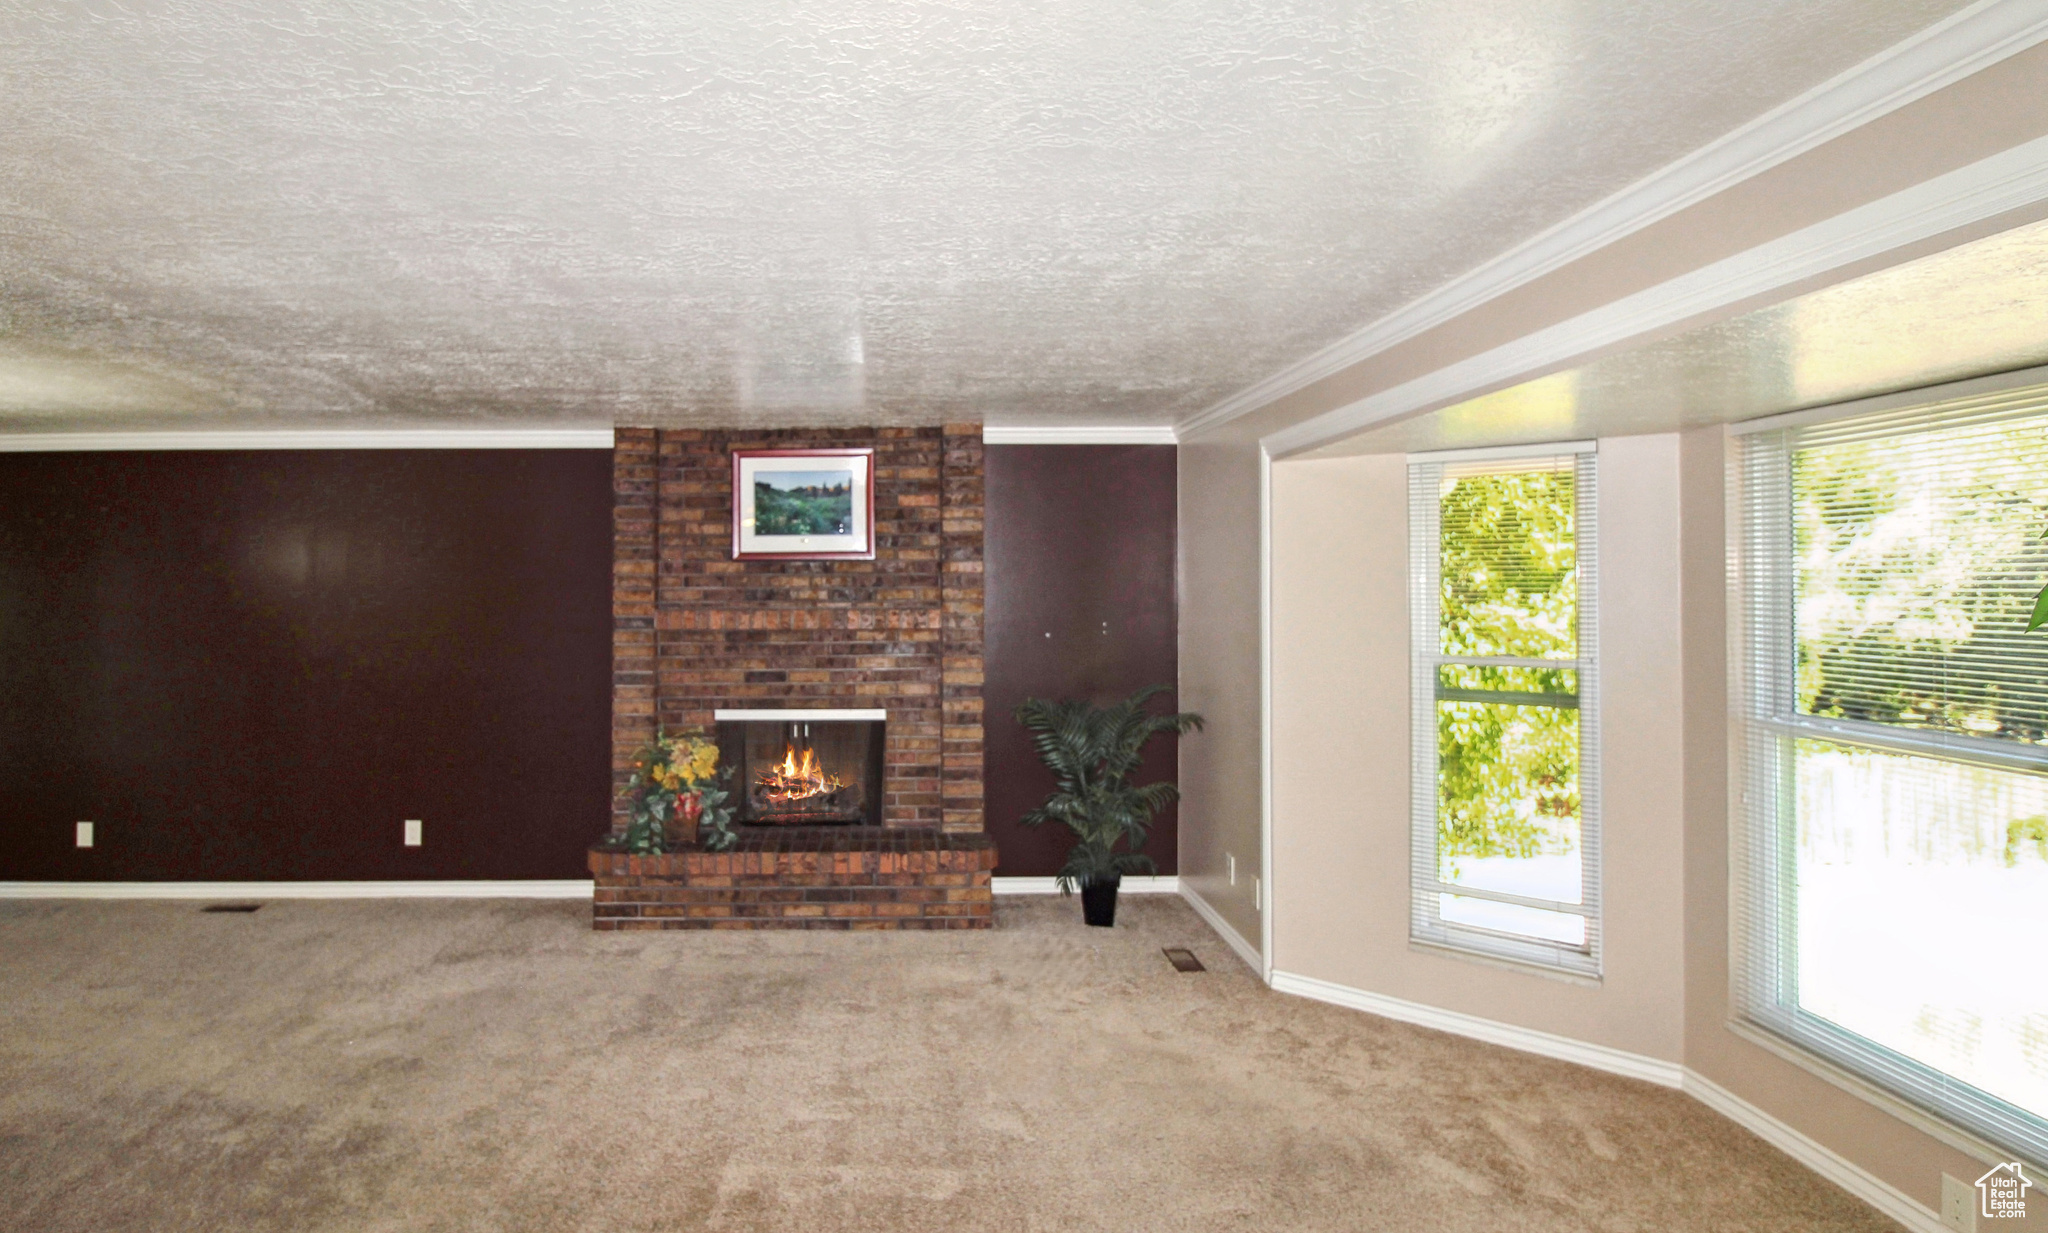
(1098, 902)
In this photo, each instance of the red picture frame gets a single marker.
(856, 543)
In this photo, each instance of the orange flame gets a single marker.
(798, 778)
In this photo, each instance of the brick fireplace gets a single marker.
(696, 632)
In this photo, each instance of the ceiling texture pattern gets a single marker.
(432, 212)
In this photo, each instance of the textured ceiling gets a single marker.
(1966, 312)
(803, 212)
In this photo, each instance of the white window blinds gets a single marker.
(1893, 724)
(1504, 709)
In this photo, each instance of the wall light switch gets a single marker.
(85, 834)
(1258, 901)
(413, 827)
(1232, 862)
(1958, 1204)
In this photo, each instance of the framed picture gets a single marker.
(803, 505)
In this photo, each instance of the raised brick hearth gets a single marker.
(802, 877)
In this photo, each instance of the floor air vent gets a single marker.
(231, 907)
(1183, 959)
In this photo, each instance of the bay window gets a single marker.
(1892, 731)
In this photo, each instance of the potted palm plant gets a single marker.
(1092, 752)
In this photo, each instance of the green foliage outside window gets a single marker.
(1919, 567)
(1508, 738)
(1510, 565)
(1508, 774)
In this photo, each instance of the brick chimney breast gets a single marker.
(695, 630)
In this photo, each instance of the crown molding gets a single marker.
(2012, 180)
(311, 439)
(1941, 55)
(1136, 434)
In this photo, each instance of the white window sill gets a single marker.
(1450, 950)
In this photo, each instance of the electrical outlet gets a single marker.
(413, 829)
(1232, 862)
(1958, 1204)
(85, 834)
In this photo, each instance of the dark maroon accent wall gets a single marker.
(1081, 603)
(257, 665)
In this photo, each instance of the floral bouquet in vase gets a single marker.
(675, 797)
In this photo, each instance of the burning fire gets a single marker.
(798, 778)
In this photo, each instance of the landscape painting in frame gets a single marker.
(796, 505)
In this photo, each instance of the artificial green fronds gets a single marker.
(1092, 753)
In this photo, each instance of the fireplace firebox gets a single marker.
(804, 768)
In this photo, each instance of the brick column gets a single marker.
(961, 596)
(695, 630)
(695, 642)
(633, 570)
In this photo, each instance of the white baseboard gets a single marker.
(1528, 1040)
(1166, 884)
(534, 889)
(1858, 1181)
(1245, 950)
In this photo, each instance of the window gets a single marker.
(1892, 807)
(1505, 722)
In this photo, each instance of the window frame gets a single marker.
(1427, 927)
(1765, 726)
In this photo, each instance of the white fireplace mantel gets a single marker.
(723, 716)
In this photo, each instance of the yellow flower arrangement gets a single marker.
(670, 774)
(687, 759)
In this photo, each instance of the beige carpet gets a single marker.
(487, 1066)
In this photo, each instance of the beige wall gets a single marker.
(1220, 776)
(1340, 702)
